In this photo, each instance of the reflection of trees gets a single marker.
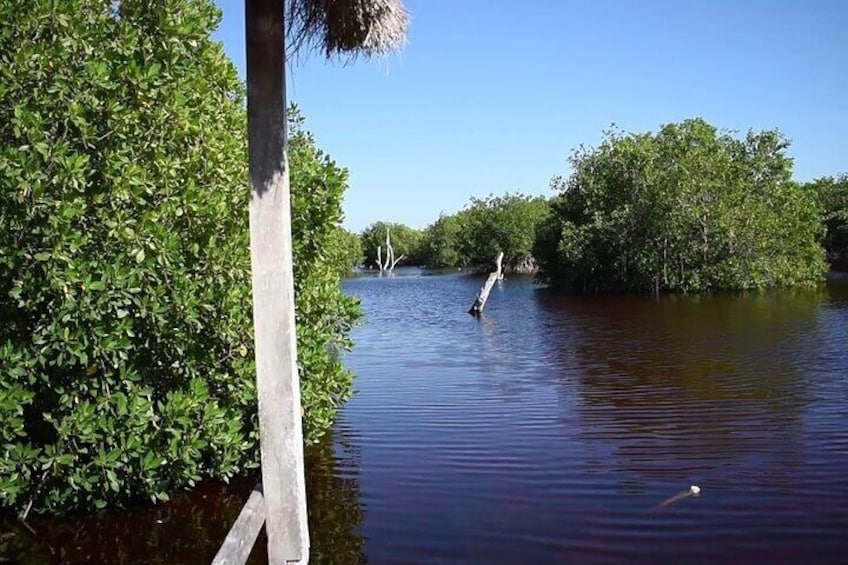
(191, 527)
(510, 339)
(188, 529)
(335, 511)
(681, 385)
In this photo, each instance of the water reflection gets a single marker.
(335, 508)
(188, 529)
(545, 430)
(681, 385)
(191, 527)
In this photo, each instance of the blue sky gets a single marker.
(492, 96)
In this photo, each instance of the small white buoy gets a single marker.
(694, 490)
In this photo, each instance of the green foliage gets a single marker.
(405, 241)
(126, 341)
(347, 247)
(475, 235)
(502, 223)
(335, 504)
(687, 209)
(833, 194)
(440, 243)
(325, 315)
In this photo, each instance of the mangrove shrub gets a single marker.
(687, 209)
(404, 239)
(505, 223)
(126, 344)
(474, 235)
(349, 248)
(833, 193)
(440, 243)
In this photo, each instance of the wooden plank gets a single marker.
(278, 386)
(239, 541)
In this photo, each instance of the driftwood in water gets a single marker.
(391, 261)
(497, 274)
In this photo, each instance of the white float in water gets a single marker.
(694, 490)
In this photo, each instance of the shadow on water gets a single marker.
(190, 528)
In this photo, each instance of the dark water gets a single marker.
(547, 431)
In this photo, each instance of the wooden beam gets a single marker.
(278, 386)
(239, 541)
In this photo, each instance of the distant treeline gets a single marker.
(469, 238)
(687, 209)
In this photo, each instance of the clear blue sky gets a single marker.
(492, 96)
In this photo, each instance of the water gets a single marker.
(547, 431)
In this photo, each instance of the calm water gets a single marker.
(547, 431)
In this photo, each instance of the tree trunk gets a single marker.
(278, 386)
(480, 302)
(390, 255)
(396, 261)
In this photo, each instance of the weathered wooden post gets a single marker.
(278, 385)
(368, 27)
(480, 301)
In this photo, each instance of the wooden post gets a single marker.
(497, 274)
(277, 383)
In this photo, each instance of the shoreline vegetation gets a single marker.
(686, 209)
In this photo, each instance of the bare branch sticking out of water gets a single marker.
(694, 490)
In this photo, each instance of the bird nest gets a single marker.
(348, 27)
